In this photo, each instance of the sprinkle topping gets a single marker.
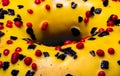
(104, 64)
(100, 52)
(5, 2)
(46, 54)
(15, 72)
(59, 5)
(73, 5)
(5, 65)
(28, 60)
(79, 45)
(101, 73)
(30, 73)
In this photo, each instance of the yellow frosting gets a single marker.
(60, 22)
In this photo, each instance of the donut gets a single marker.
(59, 38)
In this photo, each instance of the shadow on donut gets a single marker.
(73, 35)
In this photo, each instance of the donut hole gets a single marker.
(72, 35)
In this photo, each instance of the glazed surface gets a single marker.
(26, 25)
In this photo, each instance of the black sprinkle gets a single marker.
(33, 37)
(15, 72)
(59, 5)
(75, 32)
(92, 10)
(68, 75)
(68, 51)
(26, 39)
(92, 53)
(11, 12)
(0, 55)
(84, 0)
(30, 73)
(118, 62)
(93, 30)
(21, 57)
(56, 55)
(4, 11)
(31, 33)
(117, 22)
(13, 38)
(91, 38)
(73, 5)
(75, 56)
(2, 33)
(105, 3)
(46, 54)
(62, 56)
(1, 15)
(104, 64)
(1, 23)
(5, 65)
(18, 18)
(103, 34)
(98, 10)
(20, 6)
(95, 33)
(31, 47)
(80, 19)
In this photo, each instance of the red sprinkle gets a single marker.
(1, 63)
(114, 0)
(101, 73)
(37, 1)
(86, 20)
(42, 0)
(79, 45)
(5, 2)
(30, 11)
(30, 42)
(114, 17)
(101, 30)
(67, 42)
(73, 42)
(9, 41)
(9, 21)
(100, 52)
(82, 40)
(29, 24)
(58, 48)
(9, 24)
(1, 26)
(34, 66)
(109, 29)
(6, 52)
(119, 41)
(110, 23)
(38, 53)
(28, 60)
(18, 23)
(47, 7)
(44, 26)
(18, 49)
(14, 58)
(88, 13)
(111, 51)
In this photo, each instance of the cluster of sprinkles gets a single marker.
(62, 53)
